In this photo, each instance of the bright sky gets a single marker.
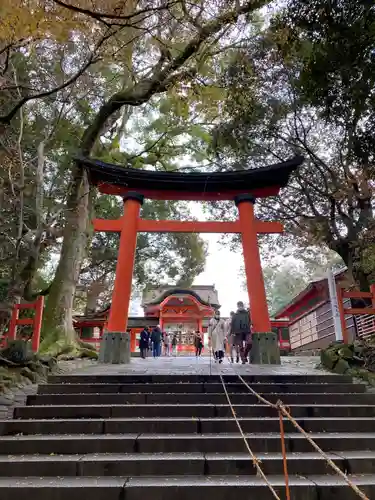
(223, 271)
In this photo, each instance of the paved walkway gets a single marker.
(185, 365)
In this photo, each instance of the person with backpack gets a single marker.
(217, 333)
(156, 338)
(240, 330)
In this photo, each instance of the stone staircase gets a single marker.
(128, 437)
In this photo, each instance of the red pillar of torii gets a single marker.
(130, 224)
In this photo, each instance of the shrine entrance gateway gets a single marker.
(241, 187)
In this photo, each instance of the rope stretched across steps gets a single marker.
(282, 410)
(254, 458)
(282, 437)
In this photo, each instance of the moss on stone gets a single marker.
(357, 359)
(329, 358)
(69, 351)
(341, 367)
(346, 352)
(20, 366)
(88, 353)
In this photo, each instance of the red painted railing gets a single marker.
(35, 322)
(342, 294)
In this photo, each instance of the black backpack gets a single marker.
(241, 322)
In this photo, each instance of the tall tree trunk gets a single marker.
(94, 290)
(58, 321)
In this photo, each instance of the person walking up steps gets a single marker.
(241, 331)
(217, 333)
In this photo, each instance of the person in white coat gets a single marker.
(217, 333)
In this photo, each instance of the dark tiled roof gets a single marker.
(276, 175)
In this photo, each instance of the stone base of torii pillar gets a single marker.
(265, 349)
(115, 348)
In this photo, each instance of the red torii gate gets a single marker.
(130, 224)
(135, 185)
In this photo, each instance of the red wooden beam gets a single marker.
(357, 295)
(175, 226)
(30, 305)
(111, 226)
(187, 226)
(357, 310)
(188, 196)
(263, 227)
(93, 323)
(25, 321)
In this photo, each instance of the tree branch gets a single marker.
(6, 119)
(159, 81)
(149, 148)
(100, 15)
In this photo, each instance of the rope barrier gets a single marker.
(256, 461)
(282, 410)
(285, 460)
(355, 488)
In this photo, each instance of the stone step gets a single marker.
(177, 464)
(189, 411)
(312, 487)
(196, 388)
(182, 443)
(172, 378)
(298, 410)
(180, 425)
(227, 425)
(183, 398)
(259, 442)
